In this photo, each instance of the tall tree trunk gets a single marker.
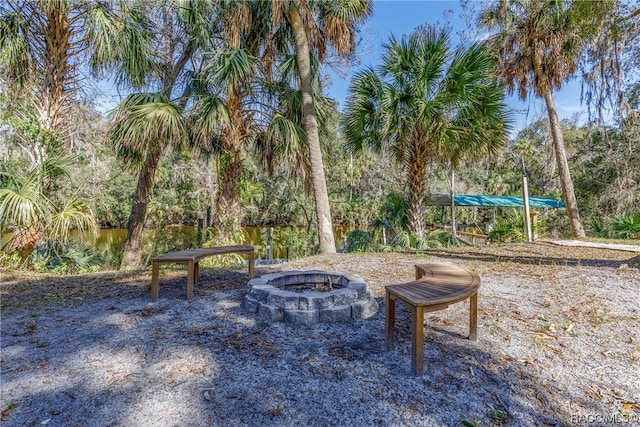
(563, 168)
(417, 209)
(323, 211)
(228, 211)
(132, 256)
(228, 214)
(54, 92)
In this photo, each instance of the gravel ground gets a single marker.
(558, 344)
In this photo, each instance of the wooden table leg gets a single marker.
(251, 265)
(473, 317)
(196, 272)
(155, 272)
(190, 277)
(390, 319)
(417, 340)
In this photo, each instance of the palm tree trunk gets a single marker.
(228, 210)
(323, 211)
(132, 256)
(563, 168)
(228, 214)
(417, 210)
(54, 92)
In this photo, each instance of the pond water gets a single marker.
(109, 242)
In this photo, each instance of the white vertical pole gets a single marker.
(453, 202)
(270, 245)
(525, 202)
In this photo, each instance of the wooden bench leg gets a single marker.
(190, 276)
(417, 340)
(473, 317)
(390, 319)
(196, 273)
(155, 272)
(251, 265)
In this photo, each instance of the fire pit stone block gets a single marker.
(309, 297)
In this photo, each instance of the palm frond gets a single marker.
(23, 204)
(209, 119)
(143, 122)
(75, 214)
(15, 50)
(232, 67)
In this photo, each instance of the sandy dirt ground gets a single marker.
(558, 344)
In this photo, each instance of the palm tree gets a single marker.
(538, 45)
(426, 104)
(315, 24)
(25, 205)
(230, 109)
(43, 45)
(145, 124)
(142, 127)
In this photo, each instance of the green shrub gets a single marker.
(508, 230)
(599, 227)
(297, 242)
(626, 226)
(444, 238)
(73, 257)
(433, 240)
(401, 241)
(360, 241)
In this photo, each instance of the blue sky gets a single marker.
(402, 17)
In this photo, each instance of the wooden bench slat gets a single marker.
(197, 254)
(437, 286)
(192, 257)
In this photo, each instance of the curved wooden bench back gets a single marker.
(437, 285)
(446, 283)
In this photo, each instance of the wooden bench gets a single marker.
(192, 257)
(437, 286)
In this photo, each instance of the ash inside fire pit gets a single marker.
(308, 297)
(320, 287)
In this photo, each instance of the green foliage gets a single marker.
(217, 236)
(11, 260)
(69, 258)
(401, 241)
(435, 239)
(626, 226)
(509, 229)
(360, 241)
(599, 227)
(297, 242)
(444, 238)
(363, 241)
(25, 205)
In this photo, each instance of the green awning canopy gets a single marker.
(480, 200)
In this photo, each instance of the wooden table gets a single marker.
(437, 286)
(192, 257)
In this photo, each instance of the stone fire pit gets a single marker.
(308, 297)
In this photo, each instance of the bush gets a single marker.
(360, 241)
(508, 230)
(599, 227)
(73, 257)
(443, 238)
(297, 242)
(626, 226)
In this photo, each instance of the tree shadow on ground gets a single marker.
(471, 255)
(205, 362)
